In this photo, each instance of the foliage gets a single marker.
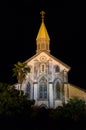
(18, 110)
(20, 70)
(11, 103)
(75, 109)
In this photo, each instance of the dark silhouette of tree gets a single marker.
(17, 112)
(13, 107)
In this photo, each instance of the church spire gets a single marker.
(42, 39)
(42, 15)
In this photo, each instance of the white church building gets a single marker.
(47, 82)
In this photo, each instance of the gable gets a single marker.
(44, 57)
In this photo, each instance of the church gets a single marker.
(47, 82)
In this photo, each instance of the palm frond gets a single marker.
(20, 64)
(27, 69)
(21, 68)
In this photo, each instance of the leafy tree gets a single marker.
(75, 109)
(20, 70)
(14, 108)
(11, 103)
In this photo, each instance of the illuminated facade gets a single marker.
(47, 81)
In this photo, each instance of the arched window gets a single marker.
(57, 69)
(57, 89)
(28, 90)
(43, 88)
(43, 68)
(38, 46)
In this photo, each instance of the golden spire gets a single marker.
(42, 30)
(43, 38)
(42, 15)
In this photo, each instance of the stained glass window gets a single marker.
(27, 91)
(58, 90)
(43, 88)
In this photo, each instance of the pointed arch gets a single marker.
(43, 88)
(57, 69)
(57, 89)
(43, 106)
(28, 90)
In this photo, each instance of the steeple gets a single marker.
(42, 39)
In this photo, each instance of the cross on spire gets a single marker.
(42, 15)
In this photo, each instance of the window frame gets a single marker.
(44, 89)
(28, 94)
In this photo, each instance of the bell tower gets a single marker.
(42, 40)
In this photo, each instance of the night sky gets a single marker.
(65, 23)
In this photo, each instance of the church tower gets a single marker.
(42, 39)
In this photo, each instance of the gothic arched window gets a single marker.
(43, 88)
(57, 69)
(43, 68)
(57, 89)
(28, 90)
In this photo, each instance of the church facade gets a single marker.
(47, 82)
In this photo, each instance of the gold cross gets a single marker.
(42, 15)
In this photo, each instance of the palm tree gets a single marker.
(20, 70)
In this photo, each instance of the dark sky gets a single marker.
(65, 23)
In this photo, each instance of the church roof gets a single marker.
(75, 86)
(53, 57)
(43, 32)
